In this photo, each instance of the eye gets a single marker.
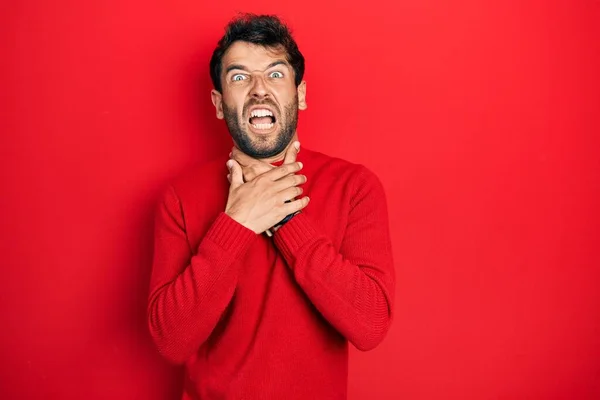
(238, 77)
(276, 74)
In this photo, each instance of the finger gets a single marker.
(294, 206)
(289, 194)
(283, 170)
(289, 181)
(235, 172)
(256, 169)
(292, 153)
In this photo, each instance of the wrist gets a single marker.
(271, 231)
(239, 220)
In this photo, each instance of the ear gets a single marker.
(302, 96)
(217, 99)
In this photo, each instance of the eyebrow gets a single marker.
(243, 68)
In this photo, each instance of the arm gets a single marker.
(353, 288)
(190, 288)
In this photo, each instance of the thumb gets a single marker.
(292, 153)
(235, 171)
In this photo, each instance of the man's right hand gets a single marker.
(261, 203)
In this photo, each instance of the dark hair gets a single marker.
(264, 30)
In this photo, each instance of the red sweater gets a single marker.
(254, 317)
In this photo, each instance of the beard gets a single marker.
(262, 147)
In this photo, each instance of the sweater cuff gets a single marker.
(230, 235)
(295, 234)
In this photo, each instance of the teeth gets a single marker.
(261, 113)
(263, 126)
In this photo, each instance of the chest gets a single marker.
(328, 210)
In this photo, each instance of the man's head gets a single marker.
(257, 73)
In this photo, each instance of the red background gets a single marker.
(481, 119)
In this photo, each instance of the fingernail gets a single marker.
(229, 164)
(230, 154)
(301, 165)
(297, 145)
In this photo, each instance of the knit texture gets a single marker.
(253, 317)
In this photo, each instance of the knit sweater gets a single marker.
(254, 317)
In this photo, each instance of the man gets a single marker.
(254, 289)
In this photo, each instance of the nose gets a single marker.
(259, 87)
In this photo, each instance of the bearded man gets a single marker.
(255, 290)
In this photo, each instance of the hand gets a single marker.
(261, 203)
(251, 168)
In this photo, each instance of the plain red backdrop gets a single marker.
(481, 119)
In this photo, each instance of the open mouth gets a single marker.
(262, 119)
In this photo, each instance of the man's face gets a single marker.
(259, 99)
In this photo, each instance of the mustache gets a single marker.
(253, 102)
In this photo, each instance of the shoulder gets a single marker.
(200, 179)
(359, 184)
(350, 172)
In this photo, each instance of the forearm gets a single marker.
(355, 296)
(189, 291)
(183, 312)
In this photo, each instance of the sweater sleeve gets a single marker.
(353, 288)
(191, 288)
